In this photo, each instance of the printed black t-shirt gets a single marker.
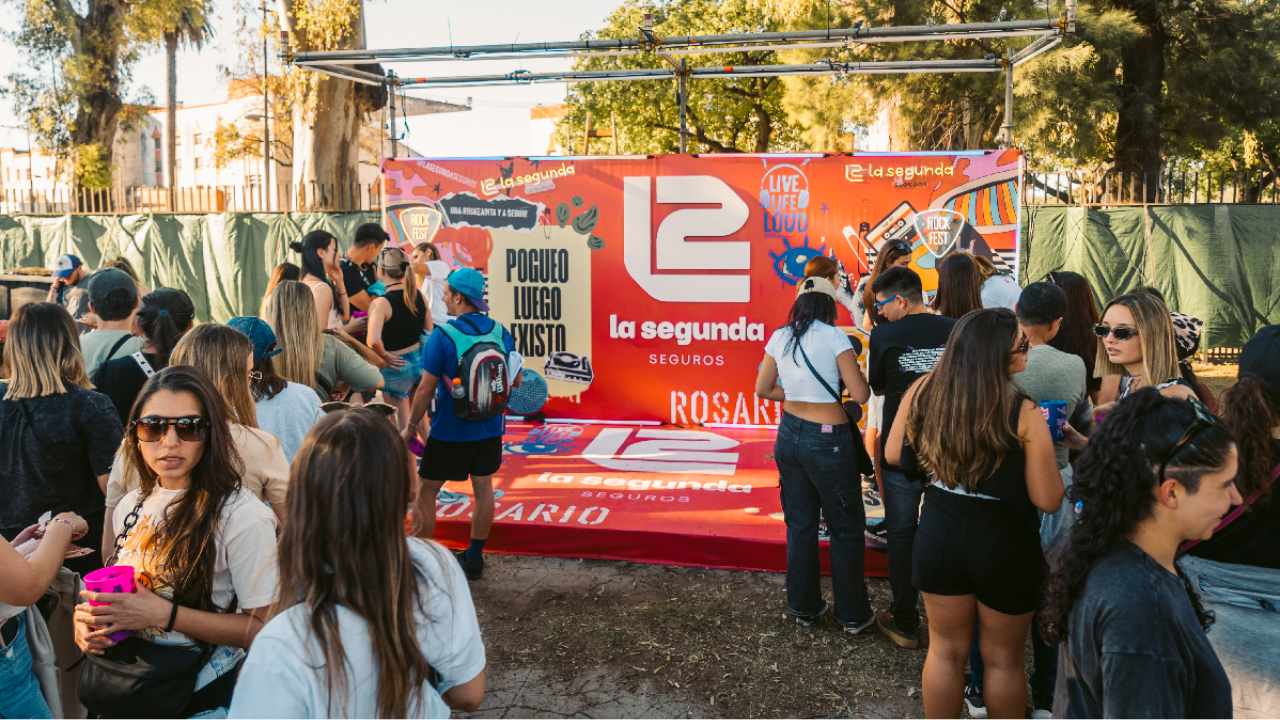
(355, 278)
(901, 352)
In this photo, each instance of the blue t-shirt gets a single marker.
(440, 358)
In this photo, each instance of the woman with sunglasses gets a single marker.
(989, 459)
(369, 622)
(203, 546)
(1159, 472)
(1137, 348)
(225, 357)
(397, 322)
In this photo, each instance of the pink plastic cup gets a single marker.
(115, 579)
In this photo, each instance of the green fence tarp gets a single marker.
(221, 260)
(1216, 262)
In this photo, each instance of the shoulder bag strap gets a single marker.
(1240, 510)
(813, 370)
(143, 364)
(129, 521)
(119, 344)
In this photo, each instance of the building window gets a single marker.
(198, 163)
(158, 169)
(195, 140)
(177, 164)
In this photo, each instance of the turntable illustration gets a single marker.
(569, 368)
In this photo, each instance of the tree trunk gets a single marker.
(98, 113)
(171, 117)
(326, 133)
(1140, 122)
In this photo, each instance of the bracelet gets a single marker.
(411, 424)
(173, 617)
(68, 523)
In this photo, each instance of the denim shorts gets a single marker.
(399, 382)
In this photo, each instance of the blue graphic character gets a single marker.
(789, 265)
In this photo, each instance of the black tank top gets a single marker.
(404, 328)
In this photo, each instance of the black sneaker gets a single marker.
(877, 534)
(973, 701)
(1042, 705)
(470, 568)
(889, 626)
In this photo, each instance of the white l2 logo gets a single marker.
(663, 451)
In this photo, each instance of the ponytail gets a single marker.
(395, 263)
(164, 316)
(1251, 412)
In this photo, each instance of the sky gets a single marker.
(498, 122)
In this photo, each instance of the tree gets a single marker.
(327, 111)
(241, 138)
(723, 116)
(189, 27)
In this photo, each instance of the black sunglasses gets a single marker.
(1121, 333)
(1203, 420)
(154, 428)
(1024, 346)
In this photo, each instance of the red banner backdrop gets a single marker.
(644, 288)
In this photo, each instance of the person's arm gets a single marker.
(854, 382)
(25, 580)
(360, 301)
(324, 303)
(875, 366)
(358, 366)
(54, 287)
(898, 433)
(1179, 392)
(1044, 482)
(767, 381)
(144, 609)
(1109, 391)
(379, 313)
(467, 696)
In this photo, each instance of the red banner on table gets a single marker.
(644, 288)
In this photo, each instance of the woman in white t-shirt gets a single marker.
(370, 623)
(435, 274)
(203, 546)
(820, 455)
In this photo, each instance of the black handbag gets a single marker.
(865, 466)
(137, 678)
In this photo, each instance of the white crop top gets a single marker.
(822, 343)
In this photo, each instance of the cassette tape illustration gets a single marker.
(569, 368)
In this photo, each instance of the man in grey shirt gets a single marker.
(70, 289)
(113, 298)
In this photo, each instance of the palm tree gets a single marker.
(190, 27)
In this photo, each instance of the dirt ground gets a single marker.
(588, 638)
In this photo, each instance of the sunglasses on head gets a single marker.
(154, 428)
(1203, 420)
(1120, 333)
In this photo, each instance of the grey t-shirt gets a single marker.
(1136, 649)
(340, 363)
(97, 344)
(1054, 375)
(75, 298)
(289, 416)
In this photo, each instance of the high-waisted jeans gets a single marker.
(818, 465)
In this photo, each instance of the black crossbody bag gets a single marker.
(865, 466)
(141, 679)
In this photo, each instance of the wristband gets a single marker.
(173, 617)
(68, 523)
(411, 424)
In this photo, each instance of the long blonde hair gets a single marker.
(291, 313)
(395, 263)
(42, 353)
(1155, 334)
(221, 353)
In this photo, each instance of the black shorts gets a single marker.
(977, 546)
(444, 461)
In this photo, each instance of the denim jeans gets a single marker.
(1044, 677)
(818, 466)
(21, 696)
(901, 519)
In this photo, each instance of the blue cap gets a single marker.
(469, 282)
(65, 265)
(259, 333)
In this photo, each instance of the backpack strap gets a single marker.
(143, 365)
(111, 354)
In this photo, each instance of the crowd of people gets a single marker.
(252, 488)
(1045, 471)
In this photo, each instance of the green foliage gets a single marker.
(92, 168)
(738, 115)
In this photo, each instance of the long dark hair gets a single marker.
(959, 420)
(345, 545)
(270, 384)
(1115, 482)
(1075, 335)
(959, 286)
(164, 316)
(310, 247)
(809, 308)
(890, 253)
(185, 538)
(1251, 411)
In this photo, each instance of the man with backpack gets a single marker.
(465, 368)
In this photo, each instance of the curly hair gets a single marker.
(1115, 482)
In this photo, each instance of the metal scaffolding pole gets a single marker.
(684, 128)
(1008, 99)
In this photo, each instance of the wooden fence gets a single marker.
(284, 197)
(1075, 188)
